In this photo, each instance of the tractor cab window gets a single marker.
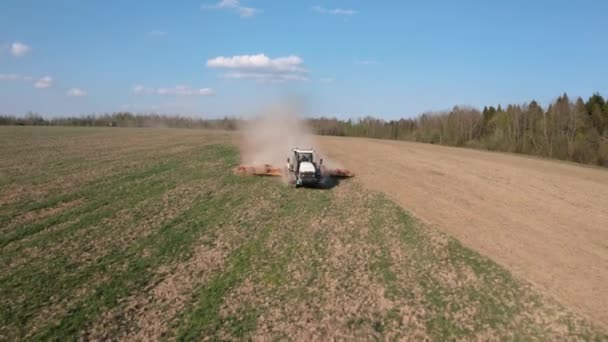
(305, 157)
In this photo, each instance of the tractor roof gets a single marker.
(297, 150)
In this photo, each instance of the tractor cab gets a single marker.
(300, 157)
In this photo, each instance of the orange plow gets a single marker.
(340, 173)
(264, 170)
(273, 171)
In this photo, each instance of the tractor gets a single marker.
(304, 170)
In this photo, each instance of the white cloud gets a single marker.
(366, 62)
(260, 67)
(258, 62)
(334, 11)
(19, 49)
(158, 33)
(10, 77)
(44, 82)
(265, 77)
(140, 89)
(235, 5)
(184, 91)
(15, 77)
(179, 90)
(228, 4)
(76, 92)
(326, 80)
(247, 12)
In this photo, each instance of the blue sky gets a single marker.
(340, 58)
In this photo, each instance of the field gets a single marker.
(110, 233)
(545, 221)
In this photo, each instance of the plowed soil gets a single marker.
(546, 221)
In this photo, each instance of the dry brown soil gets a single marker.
(546, 221)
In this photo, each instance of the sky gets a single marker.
(347, 59)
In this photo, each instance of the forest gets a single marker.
(567, 129)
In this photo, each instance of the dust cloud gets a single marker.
(268, 138)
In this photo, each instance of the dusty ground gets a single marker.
(546, 221)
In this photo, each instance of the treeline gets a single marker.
(121, 119)
(568, 130)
